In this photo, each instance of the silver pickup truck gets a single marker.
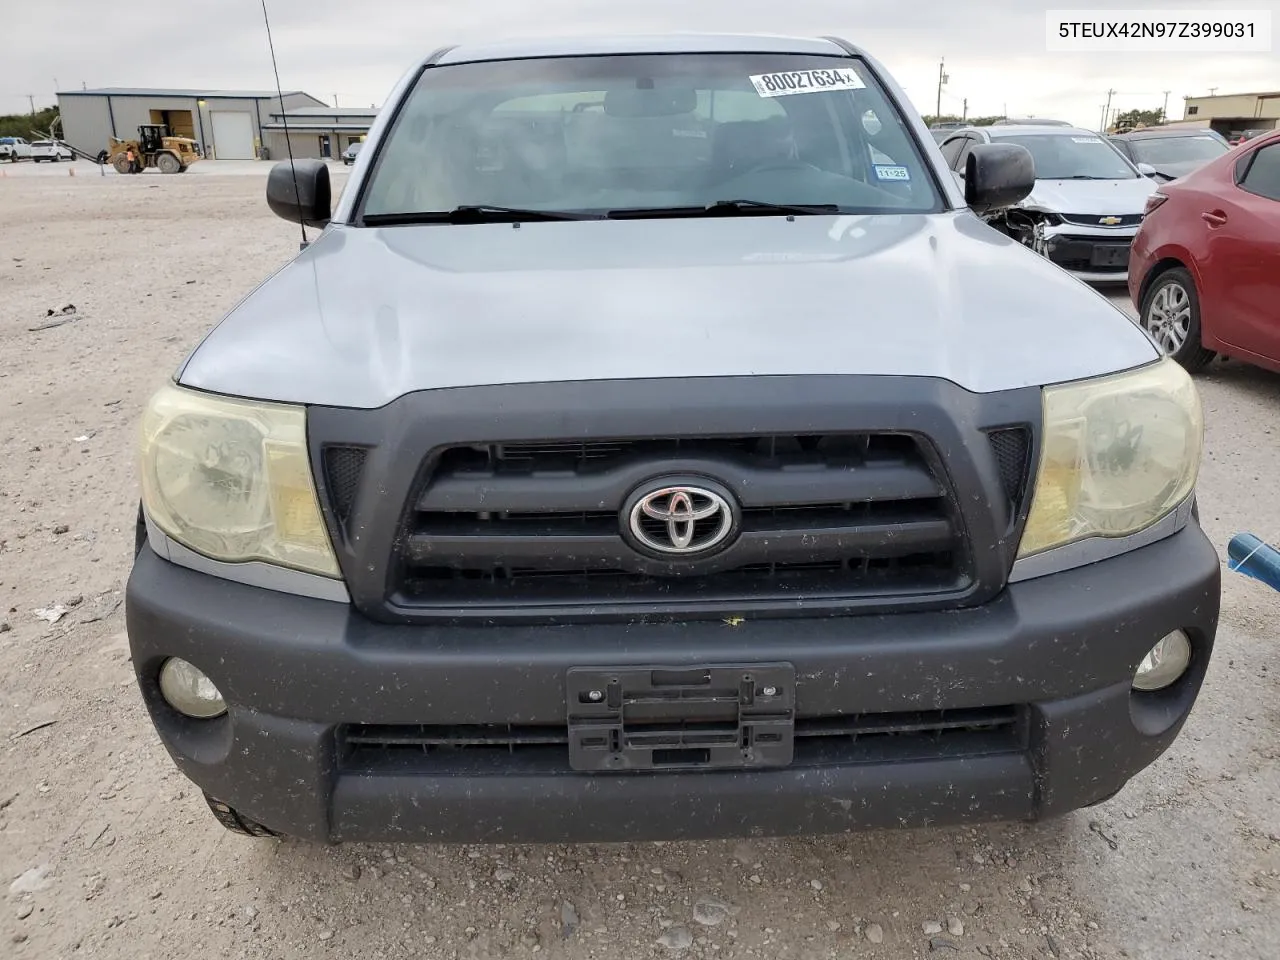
(655, 443)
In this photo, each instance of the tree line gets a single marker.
(967, 121)
(25, 124)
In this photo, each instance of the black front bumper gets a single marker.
(298, 673)
(1093, 255)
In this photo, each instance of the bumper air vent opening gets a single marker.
(342, 469)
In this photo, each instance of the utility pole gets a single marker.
(1212, 91)
(1164, 114)
(1106, 110)
(942, 79)
(31, 99)
(335, 101)
(965, 115)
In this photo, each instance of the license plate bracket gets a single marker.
(1109, 255)
(680, 717)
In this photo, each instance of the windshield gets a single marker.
(1073, 156)
(597, 135)
(1177, 149)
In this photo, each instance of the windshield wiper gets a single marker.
(1083, 176)
(726, 208)
(475, 213)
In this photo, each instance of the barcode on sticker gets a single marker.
(887, 172)
(805, 81)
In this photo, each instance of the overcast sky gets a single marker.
(994, 49)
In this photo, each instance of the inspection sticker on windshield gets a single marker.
(1085, 140)
(805, 81)
(886, 172)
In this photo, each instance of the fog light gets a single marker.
(1164, 663)
(189, 691)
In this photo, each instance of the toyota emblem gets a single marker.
(681, 520)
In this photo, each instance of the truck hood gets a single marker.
(365, 315)
(1100, 197)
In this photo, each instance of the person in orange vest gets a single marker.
(132, 157)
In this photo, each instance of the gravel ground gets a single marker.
(106, 851)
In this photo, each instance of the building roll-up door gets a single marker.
(232, 135)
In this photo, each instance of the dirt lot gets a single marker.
(111, 853)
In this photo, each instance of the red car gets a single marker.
(1204, 269)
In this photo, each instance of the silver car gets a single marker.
(1087, 203)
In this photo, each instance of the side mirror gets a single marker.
(1146, 169)
(311, 203)
(997, 175)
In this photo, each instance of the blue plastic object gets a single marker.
(1254, 558)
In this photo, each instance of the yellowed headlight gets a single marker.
(231, 479)
(1118, 454)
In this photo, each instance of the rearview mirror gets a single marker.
(997, 175)
(1146, 169)
(633, 102)
(312, 200)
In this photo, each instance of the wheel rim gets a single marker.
(1168, 318)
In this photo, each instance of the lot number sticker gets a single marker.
(805, 81)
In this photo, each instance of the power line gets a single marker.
(1106, 110)
(942, 79)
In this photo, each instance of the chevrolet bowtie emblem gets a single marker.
(1109, 221)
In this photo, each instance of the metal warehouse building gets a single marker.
(1234, 112)
(317, 132)
(228, 124)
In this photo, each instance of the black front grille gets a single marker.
(539, 524)
(819, 741)
(1095, 219)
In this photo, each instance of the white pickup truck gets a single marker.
(14, 149)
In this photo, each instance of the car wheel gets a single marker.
(237, 822)
(1171, 314)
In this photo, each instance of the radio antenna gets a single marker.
(284, 118)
